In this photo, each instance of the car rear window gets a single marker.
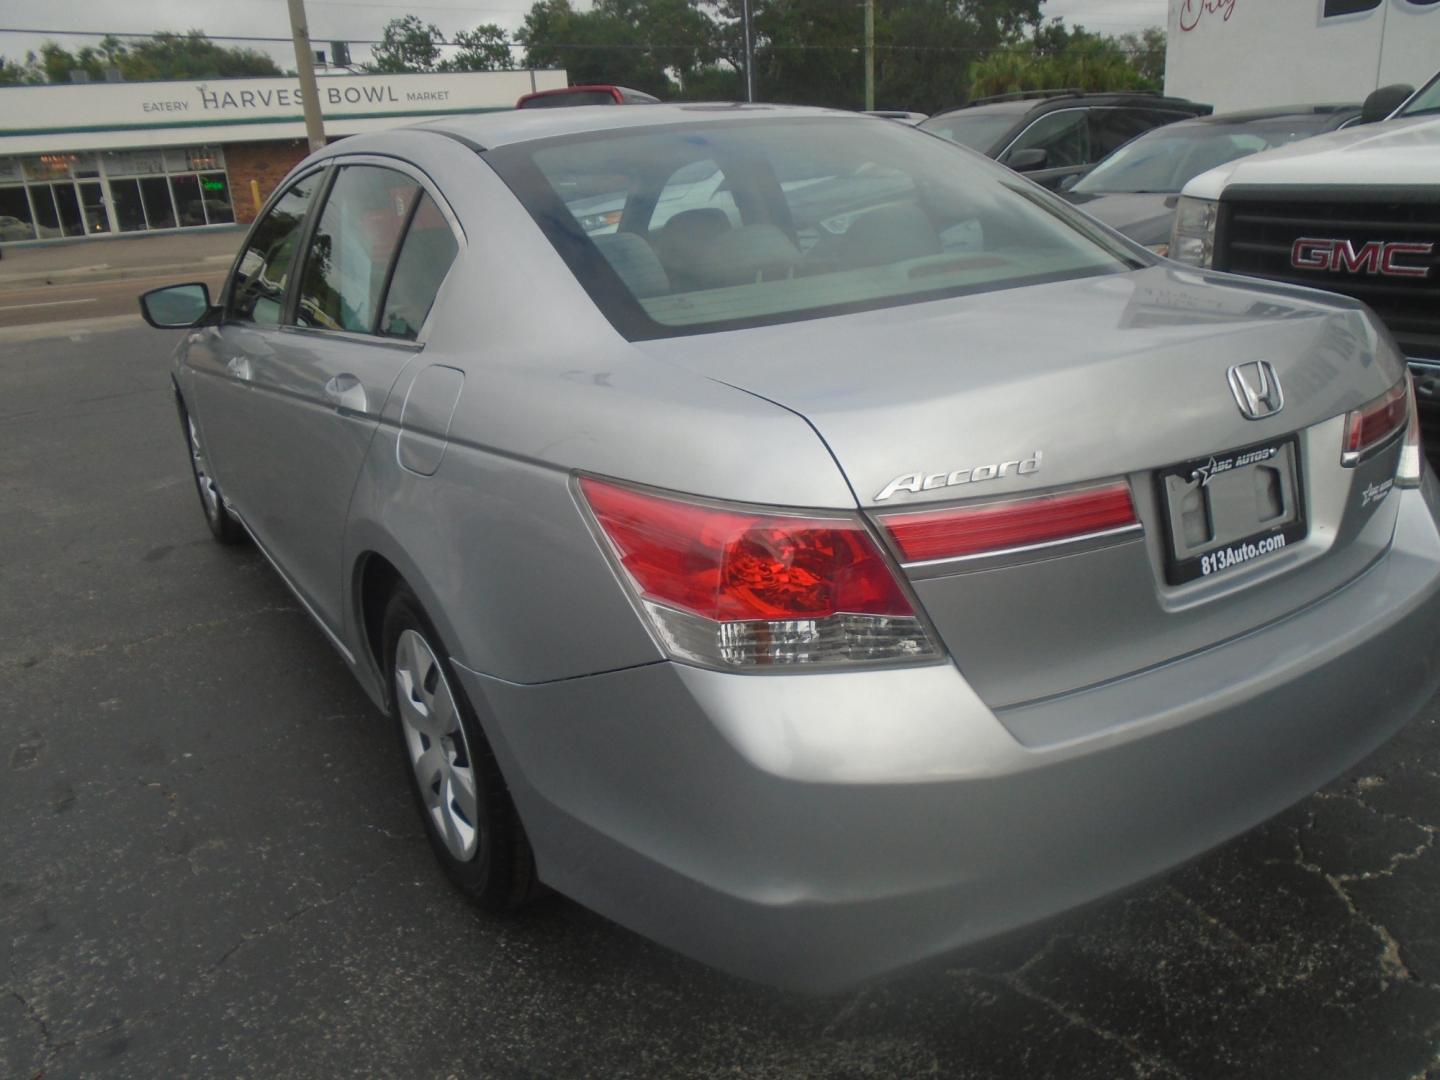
(569, 97)
(697, 227)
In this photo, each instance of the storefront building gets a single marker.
(106, 158)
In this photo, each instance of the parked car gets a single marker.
(1136, 188)
(1050, 135)
(1356, 212)
(599, 94)
(813, 600)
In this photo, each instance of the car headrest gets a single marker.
(890, 234)
(745, 254)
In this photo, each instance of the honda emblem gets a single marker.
(1256, 389)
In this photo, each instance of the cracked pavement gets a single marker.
(209, 864)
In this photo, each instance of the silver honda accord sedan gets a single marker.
(861, 557)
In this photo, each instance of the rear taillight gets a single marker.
(967, 532)
(738, 588)
(1375, 423)
(1412, 454)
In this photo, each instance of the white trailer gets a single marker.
(1244, 54)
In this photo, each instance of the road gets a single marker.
(210, 865)
(66, 300)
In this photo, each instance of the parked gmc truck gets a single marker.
(1355, 211)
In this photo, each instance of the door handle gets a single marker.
(347, 394)
(239, 366)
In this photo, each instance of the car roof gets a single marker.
(1281, 112)
(1041, 100)
(507, 127)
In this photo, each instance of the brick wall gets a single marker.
(266, 163)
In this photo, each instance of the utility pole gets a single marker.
(870, 54)
(749, 51)
(305, 66)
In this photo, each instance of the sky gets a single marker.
(350, 19)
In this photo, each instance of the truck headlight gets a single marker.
(1193, 238)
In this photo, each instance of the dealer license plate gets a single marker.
(1230, 509)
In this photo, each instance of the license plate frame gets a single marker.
(1223, 481)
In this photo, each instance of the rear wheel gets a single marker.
(469, 818)
(222, 526)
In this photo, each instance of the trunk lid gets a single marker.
(1098, 379)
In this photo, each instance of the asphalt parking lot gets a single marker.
(209, 865)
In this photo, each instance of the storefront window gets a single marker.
(216, 191)
(159, 210)
(47, 220)
(134, 162)
(71, 224)
(129, 207)
(44, 196)
(194, 158)
(186, 190)
(15, 220)
(92, 208)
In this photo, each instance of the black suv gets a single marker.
(1051, 134)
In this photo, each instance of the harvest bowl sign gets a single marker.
(49, 118)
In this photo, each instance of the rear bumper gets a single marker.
(813, 831)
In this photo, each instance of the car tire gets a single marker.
(222, 525)
(466, 808)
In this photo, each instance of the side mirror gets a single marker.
(1028, 160)
(1381, 103)
(176, 307)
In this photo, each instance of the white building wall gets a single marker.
(1243, 54)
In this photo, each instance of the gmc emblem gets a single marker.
(1375, 257)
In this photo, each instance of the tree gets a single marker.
(1058, 56)
(812, 50)
(407, 44)
(162, 55)
(635, 43)
(1147, 54)
(486, 48)
(15, 73)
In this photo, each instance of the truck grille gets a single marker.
(1258, 228)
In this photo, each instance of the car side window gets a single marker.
(257, 293)
(352, 248)
(425, 258)
(1064, 136)
(1111, 129)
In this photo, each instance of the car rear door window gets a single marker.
(1111, 129)
(425, 258)
(1063, 135)
(352, 248)
(257, 293)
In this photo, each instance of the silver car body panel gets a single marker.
(1092, 725)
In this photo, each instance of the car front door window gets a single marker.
(1064, 136)
(257, 292)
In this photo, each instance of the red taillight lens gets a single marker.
(1374, 423)
(967, 531)
(728, 566)
(740, 587)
